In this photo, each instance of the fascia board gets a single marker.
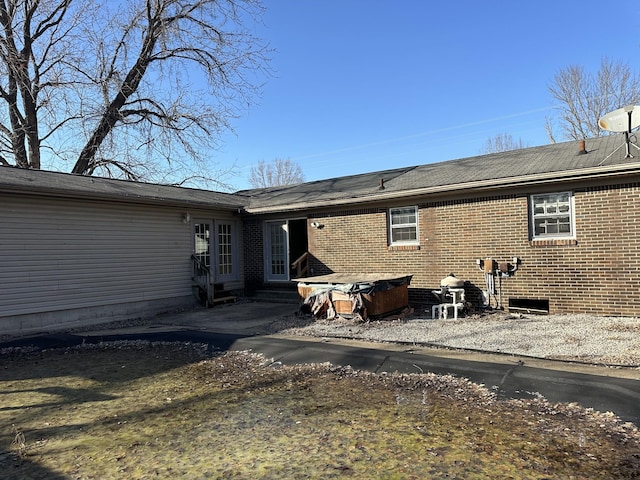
(120, 198)
(480, 185)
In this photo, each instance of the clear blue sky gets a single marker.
(365, 85)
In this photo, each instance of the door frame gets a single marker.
(212, 244)
(270, 277)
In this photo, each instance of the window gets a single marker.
(225, 249)
(552, 215)
(278, 243)
(201, 247)
(403, 226)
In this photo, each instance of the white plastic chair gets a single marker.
(457, 302)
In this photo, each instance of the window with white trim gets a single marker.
(201, 242)
(552, 216)
(225, 249)
(403, 226)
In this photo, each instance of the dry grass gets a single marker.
(19, 444)
(161, 411)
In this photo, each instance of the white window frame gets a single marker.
(536, 215)
(396, 211)
(210, 252)
(202, 241)
(226, 254)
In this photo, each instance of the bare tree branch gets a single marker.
(177, 35)
(32, 44)
(548, 126)
(502, 143)
(276, 173)
(583, 98)
(126, 89)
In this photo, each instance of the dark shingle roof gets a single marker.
(63, 184)
(549, 161)
(555, 162)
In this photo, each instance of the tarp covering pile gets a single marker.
(336, 295)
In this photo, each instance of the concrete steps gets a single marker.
(277, 295)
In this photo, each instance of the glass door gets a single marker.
(277, 251)
(202, 242)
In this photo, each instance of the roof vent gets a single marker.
(583, 148)
(381, 187)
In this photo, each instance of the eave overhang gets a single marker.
(118, 191)
(601, 173)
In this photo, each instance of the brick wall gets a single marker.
(597, 273)
(253, 241)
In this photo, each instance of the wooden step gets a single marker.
(227, 299)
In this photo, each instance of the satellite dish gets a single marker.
(623, 119)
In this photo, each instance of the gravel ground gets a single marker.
(592, 339)
(577, 337)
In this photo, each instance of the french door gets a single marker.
(216, 248)
(276, 251)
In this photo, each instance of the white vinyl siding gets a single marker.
(58, 254)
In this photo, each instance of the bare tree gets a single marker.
(138, 89)
(583, 98)
(501, 143)
(276, 173)
(30, 74)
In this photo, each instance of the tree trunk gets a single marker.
(86, 159)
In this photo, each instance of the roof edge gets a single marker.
(522, 180)
(133, 195)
